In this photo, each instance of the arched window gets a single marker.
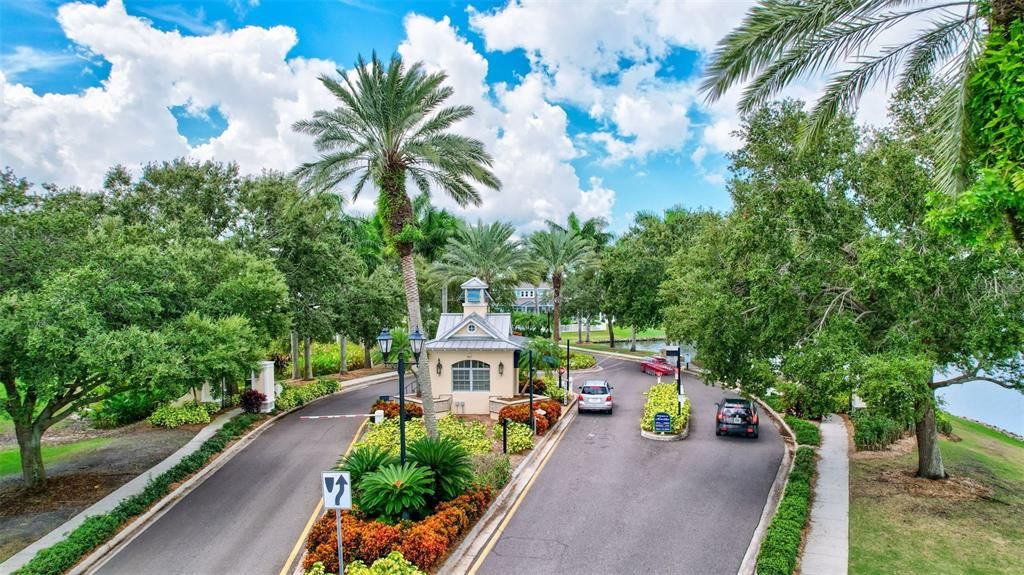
(471, 375)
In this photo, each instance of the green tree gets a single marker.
(373, 301)
(585, 295)
(826, 275)
(781, 41)
(489, 252)
(389, 129)
(631, 278)
(593, 229)
(558, 252)
(436, 228)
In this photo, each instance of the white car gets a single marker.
(595, 395)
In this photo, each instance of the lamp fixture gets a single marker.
(384, 341)
(416, 340)
(438, 369)
(501, 368)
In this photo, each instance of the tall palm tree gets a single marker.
(559, 252)
(780, 41)
(593, 229)
(436, 227)
(389, 129)
(489, 252)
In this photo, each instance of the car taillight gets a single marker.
(750, 430)
(581, 398)
(719, 416)
(608, 398)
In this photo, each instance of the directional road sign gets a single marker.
(337, 489)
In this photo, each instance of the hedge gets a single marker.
(662, 397)
(294, 396)
(97, 529)
(873, 430)
(471, 435)
(177, 415)
(806, 432)
(782, 539)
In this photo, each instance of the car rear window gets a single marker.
(594, 390)
(733, 410)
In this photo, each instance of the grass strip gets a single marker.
(97, 529)
(806, 432)
(781, 543)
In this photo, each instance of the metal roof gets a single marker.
(470, 343)
(474, 282)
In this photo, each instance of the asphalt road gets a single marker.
(611, 502)
(246, 517)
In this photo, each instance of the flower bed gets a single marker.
(471, 435)
(782, 540)
(391, 409)
(662, 397)
(520, 413)
(423, 543)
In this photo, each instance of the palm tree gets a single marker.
(486, 251)
(390, 129)
(559, 252)
(781, 41)
(436, 227)
(593, 229)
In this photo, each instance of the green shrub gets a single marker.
(520, 436)
(471, 435)
(663, 398)
(447, 460)
(393, 564)
(806, 432)
(363, 460)
(296, 395)
(125, 408)
(781, 543)
(943, 422)
(97, 529)
(873, 430)
(492, 469)
(171, 416)
(394, 489)
(808, 401)
(556, 393)
(211, 407)
(580, 361)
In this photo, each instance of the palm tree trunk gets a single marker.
(307, 353)
(1006, 11)
(295, 355)
(611, 333)
(556, 289)
(412, 302)
(589, 319)
(579, 327)
(632, 341)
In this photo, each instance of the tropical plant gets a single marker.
(544, 352)
(488, 252)
(559, 252)
(448, 461)
(364, 460)
(176, 416)
(396, 489)
(436, 226)
(781, 41)
(252, 400)
(520, 437)
(389, 129)
(593, 229)
(493, 469)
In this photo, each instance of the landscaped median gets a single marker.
(97, 529)
(407, 518)
(662, 398)
(782, 541)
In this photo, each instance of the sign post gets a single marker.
(337, 496)
(662, 422)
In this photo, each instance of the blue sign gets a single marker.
(662, 422)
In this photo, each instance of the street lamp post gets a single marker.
(384, 341)
(568, 372)
(529, 355)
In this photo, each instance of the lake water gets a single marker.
(979, 400)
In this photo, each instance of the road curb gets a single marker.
(461, 560)
(669, 436)
(139, 525)
(749, 564)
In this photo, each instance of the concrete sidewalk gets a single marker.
(827, 549)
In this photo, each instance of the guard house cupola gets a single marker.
(474, 297)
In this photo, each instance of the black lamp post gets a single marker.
(529, 355)
(568, 373)
(384, 341)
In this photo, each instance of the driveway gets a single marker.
(246, 517)
(610, 502)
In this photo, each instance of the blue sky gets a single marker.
(613, 91)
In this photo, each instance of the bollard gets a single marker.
(504, 435)
(378, 416)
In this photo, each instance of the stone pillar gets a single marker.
(264, 383)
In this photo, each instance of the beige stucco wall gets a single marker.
(476, 402)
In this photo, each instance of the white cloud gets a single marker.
(194, 22)
(716, 178)
(26, 58)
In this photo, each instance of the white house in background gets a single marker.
(534, 298)
(474, 356)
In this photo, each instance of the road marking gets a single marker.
(512, 510)
(317, 510)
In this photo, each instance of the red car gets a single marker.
(657, 365)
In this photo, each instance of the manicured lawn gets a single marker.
(623, 334)
(969, 524)
(10, 459)
(619, 348)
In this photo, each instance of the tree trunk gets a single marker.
(367, 356)
(579, 327)
(611, 333)
(342, 354)
(30, 447)
(307, 356)
(589, 318)
(929, 459)
(295, 355)
(556, 290)
(412, 302)
(1016, 226)
(632, 340)
(1006, 11)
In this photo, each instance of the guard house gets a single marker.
(473, 358)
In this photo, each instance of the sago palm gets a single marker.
(781, 41)
(559, 252)
(389, 129)
(486, 251)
